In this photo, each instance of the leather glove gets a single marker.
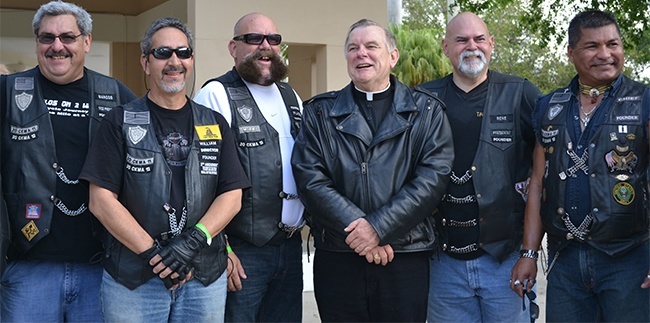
(179, 253)
(151, 252)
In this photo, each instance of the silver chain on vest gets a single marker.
(579, 163)
(57, 201)
(466, 249)
(579, 232)
(175, 226)
(460, 180)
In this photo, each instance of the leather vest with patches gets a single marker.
(618, 162)
(29, 151)
(501, 160)
(259, 153)
(145, 168)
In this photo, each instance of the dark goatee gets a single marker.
(250, 72)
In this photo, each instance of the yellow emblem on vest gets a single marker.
(30, 230)
(208, 132)
(623, 193)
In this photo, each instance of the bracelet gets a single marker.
(528, 253)
(203, 229)
(228, 248)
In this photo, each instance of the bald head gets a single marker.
(466, 21)
(251, 21)
(468, 45)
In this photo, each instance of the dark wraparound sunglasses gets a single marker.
(534, 308)
(166, 52)
(67, 38)
(257, 39)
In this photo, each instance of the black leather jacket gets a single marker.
(395, 179)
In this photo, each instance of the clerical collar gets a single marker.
(370, 95)
(593, 92)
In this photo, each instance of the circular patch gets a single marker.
(623, 193)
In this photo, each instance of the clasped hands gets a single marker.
(173, 261)
(363, 239)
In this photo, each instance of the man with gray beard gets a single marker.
(265, 257)
(480, 221)
(165, 181)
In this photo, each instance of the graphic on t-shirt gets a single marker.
(64, 108)
(176, 148)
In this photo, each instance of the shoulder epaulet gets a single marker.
(326, 95)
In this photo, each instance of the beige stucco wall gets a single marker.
(315, 28)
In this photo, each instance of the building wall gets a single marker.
(314, 30)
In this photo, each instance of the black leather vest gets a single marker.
(259, 153)
(29, 152)
(145, 168)
(618, 162)
(502, 159)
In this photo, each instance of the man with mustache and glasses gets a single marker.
(49, 115)
(164, 180)
(480, 221)
(589, 189)
(265, 255)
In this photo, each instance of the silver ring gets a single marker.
(648, 276)
(517, 282)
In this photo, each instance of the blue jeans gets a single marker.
(273, 290)
(586, 284)
(476, 290)
(152, 302)
(50, 291)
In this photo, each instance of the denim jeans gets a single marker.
(476, 290)
(152, 302)
(586, 284)
(50, 291)
(272, 291)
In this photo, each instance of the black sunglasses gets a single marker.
(166, 52)
(534, 308)
(67, 38)
(257, 39)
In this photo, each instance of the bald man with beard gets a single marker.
(480, 221)
(265, 246)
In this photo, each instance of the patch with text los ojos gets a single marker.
(209, 148)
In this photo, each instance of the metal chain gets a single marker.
(175, 226)
(59, 204)
(64, 178)
(460, 200)
(462, 224)
(580, 163)
(579, 232)
(460, 180)
(466, 249)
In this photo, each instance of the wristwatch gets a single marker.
(528, 253)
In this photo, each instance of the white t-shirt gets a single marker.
(269, 100)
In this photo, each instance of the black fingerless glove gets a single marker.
(179, 253)
(151, 252)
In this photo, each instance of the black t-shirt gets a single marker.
(104, 165)
(465, 114)
(71, 237)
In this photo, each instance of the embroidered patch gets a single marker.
(30, 230)
(625, 163)
(629, 99)
(554, 111)
(22, 134)
(622, 128)
(136, 134)
(23, 100)
(561, 97)
(612, 136)
(501, 118)
(105, 97)
(631, 118)
(622, 177)
(136, 117)
(623, 193)
(251, 144)
(209, 168)
(208, 132)
(24, 83)
(245, 112)
(249, 129)
(549, 135)
(33, 211)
